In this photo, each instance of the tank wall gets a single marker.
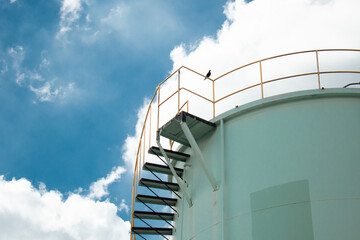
(291, 172)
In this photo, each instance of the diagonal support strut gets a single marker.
(177, 178)
(197, 150)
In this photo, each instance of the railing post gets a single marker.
(139, 163)
(143, 157)
(150, 125)
(318, 68)
(213, 84)
(261, 79)
(178, 91)
(158, 112)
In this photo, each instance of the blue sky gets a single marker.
(74, 75)
(70, 139)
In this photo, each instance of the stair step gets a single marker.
(179, 156)
(156, 200)
(152, 231)
(198, 127)
(161, 169)
(154, 215)
(159, 184)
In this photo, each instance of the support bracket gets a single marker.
(197, 151)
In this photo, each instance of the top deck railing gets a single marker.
(308, 66)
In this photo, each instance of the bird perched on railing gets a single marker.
(208, 75)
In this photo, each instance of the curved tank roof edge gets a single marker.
(287, 97)
(283, 98)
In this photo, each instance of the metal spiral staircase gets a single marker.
(185, 129)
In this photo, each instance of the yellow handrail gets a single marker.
(141, 154)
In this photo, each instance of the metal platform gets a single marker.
(198, 127)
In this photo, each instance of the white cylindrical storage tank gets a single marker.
(286, 167)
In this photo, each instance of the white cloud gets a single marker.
(134, 21)
(20, 78)
(88, 18)
(115, 13)
(130, 146)
(35, 76)
(265, 28)
(44, 89)
(17, 54)
(69, 14)
(48, 93)
(123, 206)
(130, 22)
(99, 188)
(253, 31)
(30, 213)
(45, 63)
(12, 1)
(3, 66)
